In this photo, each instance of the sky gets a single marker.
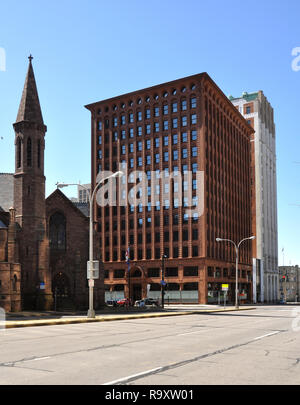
(86, 51)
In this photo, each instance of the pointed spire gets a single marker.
(30, 109)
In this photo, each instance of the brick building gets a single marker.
(187, 125)
(10, 268)
(68, 230)
(289, 282)
(43, 242)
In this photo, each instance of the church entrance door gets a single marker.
(61, 292)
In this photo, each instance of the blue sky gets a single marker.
(85, 51)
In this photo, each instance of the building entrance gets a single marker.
(61, 292)
(136, 292)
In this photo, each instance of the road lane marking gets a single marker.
(142, 374)
(42, 358)
(268, 334)
(190, 333)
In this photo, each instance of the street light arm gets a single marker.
(114, 175)
(249, 238)
(226, 240)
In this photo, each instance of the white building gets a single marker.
(259, 113)
(83, 193)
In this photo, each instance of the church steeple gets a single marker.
(30, 109)
(30, 128)
(29, 196)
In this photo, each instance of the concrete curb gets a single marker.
(99, 318)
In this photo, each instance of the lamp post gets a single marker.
(91, 194)
(163, 280)
(236, 262)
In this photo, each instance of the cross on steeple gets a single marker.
(29, 109)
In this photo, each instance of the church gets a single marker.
(43, 241)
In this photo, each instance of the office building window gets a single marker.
(193, 102)
(194, 119)
(194, 135)
(184, 137)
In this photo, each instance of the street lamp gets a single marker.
(163, 280)
(91, 263)
(236, 262)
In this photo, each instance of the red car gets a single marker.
(124, 302)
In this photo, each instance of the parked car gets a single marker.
(151, 301)
(124, 302)
(147, 302)
(111, 303)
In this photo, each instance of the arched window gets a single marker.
(39, 153)
(137, 273)
(14, 283)
(19, 152)
(57, 231)
(29, 152)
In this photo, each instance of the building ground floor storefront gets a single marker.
(187, 281)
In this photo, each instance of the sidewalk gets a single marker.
(30, 319)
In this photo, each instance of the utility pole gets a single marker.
(163, 280)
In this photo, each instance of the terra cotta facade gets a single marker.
(184, 125)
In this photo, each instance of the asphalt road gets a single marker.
(260, 346)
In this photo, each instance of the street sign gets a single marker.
(162, 282)
(42, 286)
(93, 270)
(91, 283)
(225, 287)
